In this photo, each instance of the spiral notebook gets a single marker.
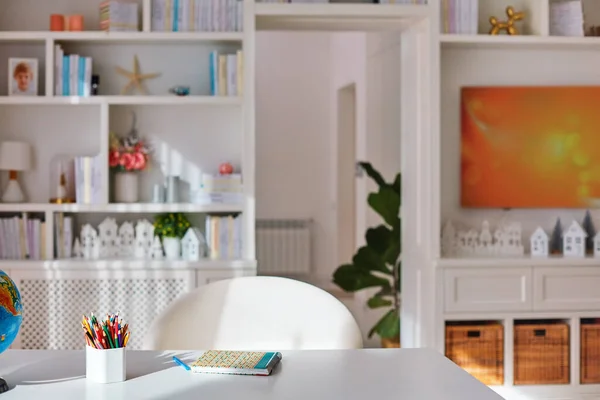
(236, 362)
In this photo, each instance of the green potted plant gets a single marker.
(170, 228)
(377, 264)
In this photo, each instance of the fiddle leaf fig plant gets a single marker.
(377, 263)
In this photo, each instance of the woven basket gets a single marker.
(590, 353)
(541, 354)
(478, 349)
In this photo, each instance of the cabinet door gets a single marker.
(493, 289)
(54, 302)
(208, 276)
(572, 288)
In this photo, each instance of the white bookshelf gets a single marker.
(206, 130)
(508, 289)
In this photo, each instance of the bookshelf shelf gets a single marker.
(524, 41)
(124, 100)
(121, 37)
(336, 17)
(81, 264)
(123, 208)
(525, 261)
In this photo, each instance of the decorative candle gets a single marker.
(57, 22)
(76, 22)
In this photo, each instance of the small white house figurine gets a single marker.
(107, 233)
(539, 243)
(90, 244)
(144, 233)
(574, 241)
(126, 233)
(157, 249)
(77, 249)
(193, 245)
(597, 245)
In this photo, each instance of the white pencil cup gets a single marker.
(105, 366)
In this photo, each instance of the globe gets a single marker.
(11, 311)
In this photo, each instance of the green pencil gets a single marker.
(108, 338)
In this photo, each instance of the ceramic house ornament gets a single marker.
(504, 241)
(90, 244)
(574, 241)
(126, 236)
(107, 234)
(449, 240)
(77, 249)
(597, 245)
(193, 245)
(539, 243)
(144, 235)
(157, 249)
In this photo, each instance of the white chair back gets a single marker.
(255, 313)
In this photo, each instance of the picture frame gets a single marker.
(23, 77)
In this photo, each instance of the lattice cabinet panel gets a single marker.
(54, 302)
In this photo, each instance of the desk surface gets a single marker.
(409, 374)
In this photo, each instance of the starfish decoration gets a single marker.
(135, 77)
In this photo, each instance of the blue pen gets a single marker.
(184, 365)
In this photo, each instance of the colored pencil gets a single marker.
(111, 333)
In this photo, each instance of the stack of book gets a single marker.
(22, 237)
(226, 74)
(63, 236)
(219, 189)
(119, 16)
(224, 237)
(197, 15)
(88, 180)
(72, 74)
(566, 18)
(460, 16)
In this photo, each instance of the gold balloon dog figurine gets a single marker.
(509, 26)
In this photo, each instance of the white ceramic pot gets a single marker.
(172, 248)
(126, 187)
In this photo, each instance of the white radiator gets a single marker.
(283, 246)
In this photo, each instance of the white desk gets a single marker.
(408, 374)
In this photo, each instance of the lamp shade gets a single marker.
(15, 156)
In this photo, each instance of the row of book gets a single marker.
(224, 237)
(22, 238)
(72, 74)
(460, 16)
(219, 189)
(119, 16)
(226, 74)
(63, 236)
(197, 15)
(88, 180)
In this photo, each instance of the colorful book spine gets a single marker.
(197, 15)
(226, 74)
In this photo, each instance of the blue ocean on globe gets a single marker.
(11, 311)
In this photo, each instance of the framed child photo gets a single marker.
(22, 76)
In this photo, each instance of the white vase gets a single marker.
(172, 248)
(126, 187)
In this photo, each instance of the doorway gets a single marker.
(346, 171)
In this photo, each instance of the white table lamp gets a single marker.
(14, 156)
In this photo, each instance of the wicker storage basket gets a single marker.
(590, 353)
(541, 354)
(478, 349)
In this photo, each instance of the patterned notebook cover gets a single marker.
(236, 362)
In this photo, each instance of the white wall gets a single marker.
(293, 147)
(297, 83)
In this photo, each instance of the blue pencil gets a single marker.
(181, 363)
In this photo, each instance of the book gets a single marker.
(236, 362)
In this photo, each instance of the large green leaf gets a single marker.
(386, 203)
(388, 326)
(367, 259)
(373, 173)
(385, 242)
(351, 278)
(378, 302)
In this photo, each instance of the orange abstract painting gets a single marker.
(530, 147)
